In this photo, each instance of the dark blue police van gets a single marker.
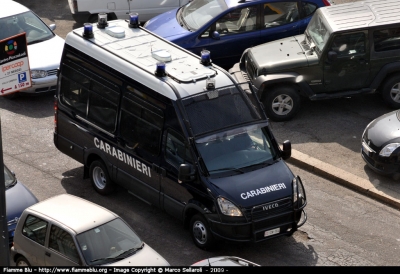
(177, 132)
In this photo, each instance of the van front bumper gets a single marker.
(261, 229)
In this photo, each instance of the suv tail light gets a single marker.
(55, 113)
(327, 2)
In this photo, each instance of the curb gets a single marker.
(344, 178)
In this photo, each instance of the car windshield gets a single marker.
(197, 13)
(36, 31)
(233, 150)
(318, 32)
(111, 241)
(9, 178)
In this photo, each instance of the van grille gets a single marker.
(276, 207)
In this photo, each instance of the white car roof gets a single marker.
(9, 8)
(76, 213)
(361, 14)
(135, 55)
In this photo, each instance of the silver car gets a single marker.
(66, 230)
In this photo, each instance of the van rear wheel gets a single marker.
(100, 178)
(201, 233)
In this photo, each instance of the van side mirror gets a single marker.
(332, 55)
(186, 173)
(287, 150)
(215, 35)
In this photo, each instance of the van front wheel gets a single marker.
(100, 179)
(281, 103)
(201, 233)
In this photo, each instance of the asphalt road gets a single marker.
(344, 228)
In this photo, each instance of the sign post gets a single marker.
(4, 248)
(14, 65)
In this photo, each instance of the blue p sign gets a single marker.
(22, 77)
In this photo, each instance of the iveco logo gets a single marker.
(271, 206)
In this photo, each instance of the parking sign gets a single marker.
(14, 65)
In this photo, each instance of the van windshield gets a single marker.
(233, 150)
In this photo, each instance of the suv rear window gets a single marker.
(387, 39)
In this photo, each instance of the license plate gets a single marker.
(272, 232)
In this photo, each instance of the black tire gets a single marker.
(391, 91)
(21, 262)
(100, 178)
(281, 103)
(11, 96)
(201, 233)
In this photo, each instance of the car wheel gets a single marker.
(391, 91)
(100, 179)
(282, 103)
(21, 262)
(201, 233)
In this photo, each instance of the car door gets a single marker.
(62, 249)
(140, 129)
(175, 194)
(238, 30)
(351, 68)
(33, 240)
(280, 20)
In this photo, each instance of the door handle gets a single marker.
(48, 254)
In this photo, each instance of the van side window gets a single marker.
(62, 241)
(90, 95)
(387, 39)
(175, 151)
(141, 124)
(35, 229)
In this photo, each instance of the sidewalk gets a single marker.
(344, 178)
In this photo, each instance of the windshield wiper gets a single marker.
(228, 168)
(119, 256)
(129, 251)
(262, 164)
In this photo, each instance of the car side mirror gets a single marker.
(186, 173)
(287, 150)
(52, 27)
(215, 35)
(332, 55)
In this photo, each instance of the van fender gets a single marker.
(291, 78)
(193, 207)
(383, 73)
(92, 154)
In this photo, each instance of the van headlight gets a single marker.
(227, 208)
(38, 74)
(299, 194)
(388, 149)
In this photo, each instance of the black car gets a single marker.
(380, 144)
